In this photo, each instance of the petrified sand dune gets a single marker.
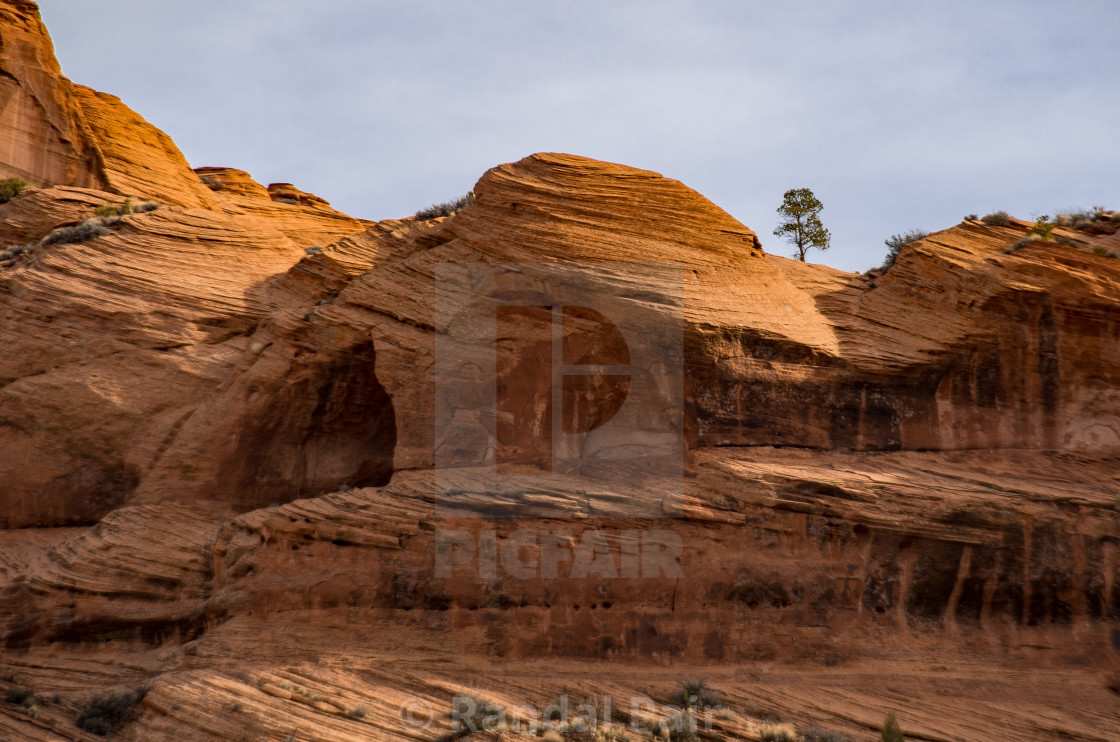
(218, 431)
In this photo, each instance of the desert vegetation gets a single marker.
(800, 223)
(107, 713)
(10, 188)
(891, 731)
(777, 733)
(896, 242)
(447, 208)
(107, 215)
(697, 694)
(87, 230)
(996, 219)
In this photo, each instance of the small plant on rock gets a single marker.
(87, 230)
(478, 715)
(108, 211)
(891, 731)
(697, 694)
(1043, 227)
(816, 734)
(10, 188)
(447, 208)
(105, 714)
(996, 219)
(896, 242)
(359, 713)
(777, 733)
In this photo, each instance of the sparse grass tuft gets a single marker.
(360, 712)
(996, 219)
(681, 727)
(777, 733)
(105, 714)
(816, 734)
(891, 731)
(10, 188)
(447, 208)
(970, 218)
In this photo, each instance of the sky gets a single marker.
(898, 115)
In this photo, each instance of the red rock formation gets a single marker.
(43, 134)
(216, 451)
(288, 192)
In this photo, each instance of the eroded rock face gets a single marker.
(218, 430)
(43, 136)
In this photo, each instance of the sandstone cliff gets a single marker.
(218, 430)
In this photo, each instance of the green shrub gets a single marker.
(10, 188)
(108, 713)
(896, 242)
(213, 183)
(108, 211)
(891, 731)
(1098, 250)
(87, 230)
(996, 219)
(359, 713)
(777, 733)
(447, 208)
(1043, 227)
(816, 734)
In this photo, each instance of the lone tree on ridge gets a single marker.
(801, 224)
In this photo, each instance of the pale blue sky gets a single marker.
(898, 115)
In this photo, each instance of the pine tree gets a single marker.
(801, 224)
